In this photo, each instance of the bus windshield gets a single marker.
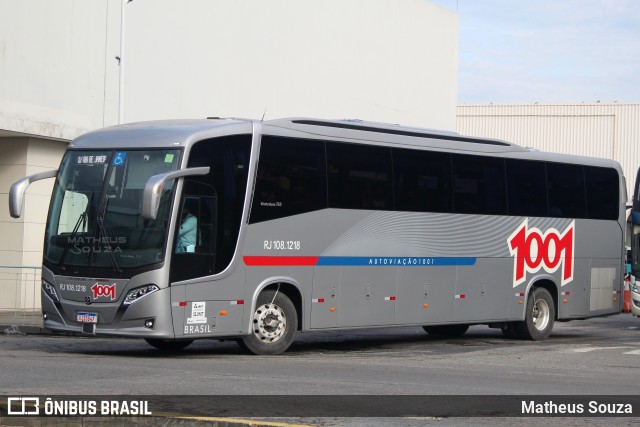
(94, 216)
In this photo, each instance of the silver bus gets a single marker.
(173, 231)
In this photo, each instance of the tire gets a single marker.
(450, 331)
(509, 330)
(538, 317)
(274, 324)
(168, 345)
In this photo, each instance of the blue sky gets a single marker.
(548, 51)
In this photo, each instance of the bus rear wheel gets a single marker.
(273, 324)
(451, 331)
(539, 316)
(169, 345)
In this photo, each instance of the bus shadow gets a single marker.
(343, 342)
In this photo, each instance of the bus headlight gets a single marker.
(50, 290)
(137, 293)
(635, 287)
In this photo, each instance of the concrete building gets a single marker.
(607, 130)
(380, 60)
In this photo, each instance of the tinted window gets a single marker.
(423, 181)
(291, 178)
(565, 184)
(215, 201)
(479, 185)
(526, 188)
(603, 192)
(359, 176)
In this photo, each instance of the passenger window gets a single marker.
(359, 176)
(479, 185)
(422, 180)
(291, 178)
(526, 188)
(565, 184)
(603, 192)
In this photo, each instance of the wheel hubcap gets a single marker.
(540, 314)
(269, 323)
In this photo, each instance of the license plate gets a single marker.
(83, 317)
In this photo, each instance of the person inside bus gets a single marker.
(188, 230)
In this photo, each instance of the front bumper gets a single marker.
(113, 319)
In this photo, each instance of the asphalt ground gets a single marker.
(616, 337)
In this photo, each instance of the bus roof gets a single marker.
(176, 133)
(372, 132)
(161, 133)
(179, 132)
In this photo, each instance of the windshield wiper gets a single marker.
(82, 219)
(103, 236)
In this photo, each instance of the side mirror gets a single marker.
(16, 194)
(153, 189)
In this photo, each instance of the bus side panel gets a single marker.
(483, 290)
(573, 297)
(605, 286)
(367, 296)
(597, 272)
(205, 307)
(325, 297)
(425, 295)
(178, 311)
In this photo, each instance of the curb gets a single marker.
(226, 422)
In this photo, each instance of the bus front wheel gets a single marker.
(539, 316)
(273, 324)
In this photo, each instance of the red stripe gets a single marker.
(280, 261)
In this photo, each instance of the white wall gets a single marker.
(382, 60)
(57, 66)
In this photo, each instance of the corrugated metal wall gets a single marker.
(599, 130)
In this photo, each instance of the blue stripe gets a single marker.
(635, 217)
(394, 261)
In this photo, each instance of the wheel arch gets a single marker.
(548, 284)
(286, 285)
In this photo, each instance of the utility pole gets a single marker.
(121, 62)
